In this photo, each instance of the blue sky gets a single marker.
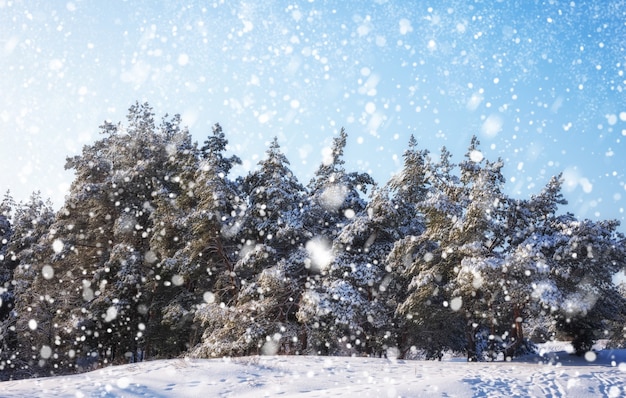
(540, 83)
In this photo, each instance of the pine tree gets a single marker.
(270, 235)
(6, 258)
(272, 224)
(447, 265)
(335, 193)
(138, 153)
(583, 299)
(616, 328)
(528, 225)
(82, 233)
(194, 246)
(8, 342)
(355, 302)
(275, 199)
(349, 307)
(262, 321)
(478, 243)
(422, 264)
(412, 184)
(28, 330)
(102, 238)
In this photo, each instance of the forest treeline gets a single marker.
(158, 252)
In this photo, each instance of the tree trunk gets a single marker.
(472, 354)
(517, 333)
(303, 339)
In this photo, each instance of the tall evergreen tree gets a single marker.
(335, 193)
(446, 263)
(269, 283)
(346, 308)
(275, 200)
(354, 304)
(195, 246)
(583, 257)
(407, 192)
(528, 224)
(7, 336)
(423, 266)
(478, 245)
(6, 258)
(101, 240)
(138, 154)
(28, 329)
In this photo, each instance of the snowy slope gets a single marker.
(555, 374)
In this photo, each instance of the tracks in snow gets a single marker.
(534, 380)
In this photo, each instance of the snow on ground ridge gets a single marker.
(554, 373)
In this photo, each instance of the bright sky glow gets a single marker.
(540, 83)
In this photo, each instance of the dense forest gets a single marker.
(159, 252)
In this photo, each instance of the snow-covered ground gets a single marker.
(553, 374)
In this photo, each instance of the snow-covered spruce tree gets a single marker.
(100, 240)
(30, 221)
(524, 266)
(410, 187)
(167, 234)
(8, 342)
(479, 241)
(275, 206)
(269, 270)
(354, 305)
(193, 247)
(335, 193)
(335, 200)
(215, 220)
(499, 269)
(85, 241)
(6, 259)
(262, 321)
(27, 329)
(82, 234)
(427, 270)
(449, 263)
(350, 306)
(582, 258)
(617, 328)
(408, 190)
(118, 301)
